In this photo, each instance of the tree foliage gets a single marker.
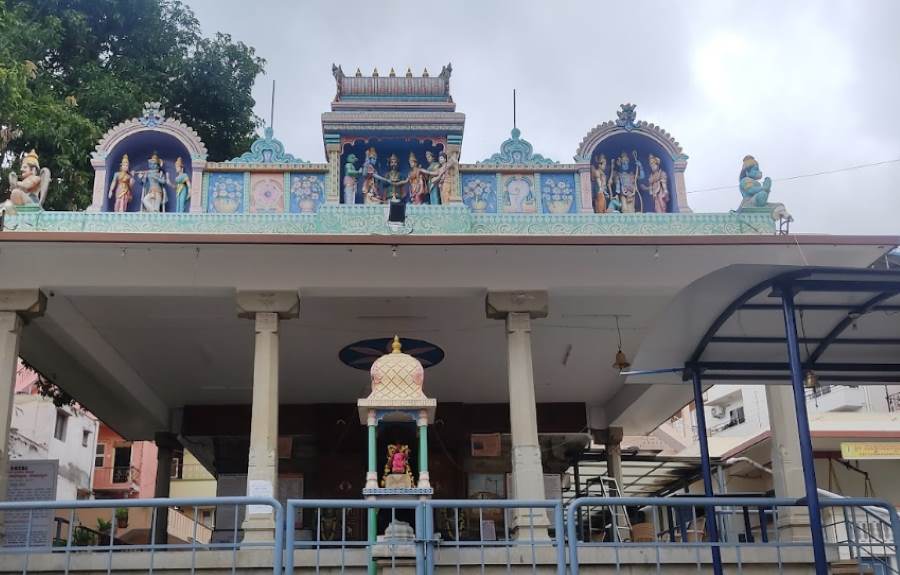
(72, 69)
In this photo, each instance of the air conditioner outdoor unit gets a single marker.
(718, 411)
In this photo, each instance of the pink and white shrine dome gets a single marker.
(397, 380)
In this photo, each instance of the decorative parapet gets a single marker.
(421, 220)
(152, 118)
(267, 150)
(516, 152)
(625, 122)
(392, 86)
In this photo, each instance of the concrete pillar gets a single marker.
(98, 197)
(587, 189)
(680, 190)
(787, 464)
(16, 306)
(518, 309)
(611, 438)
(166, 443)
(266, 309)
(197, 167)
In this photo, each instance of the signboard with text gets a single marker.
(871, 450)
(31, 481)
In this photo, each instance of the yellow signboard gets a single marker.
(871, 450)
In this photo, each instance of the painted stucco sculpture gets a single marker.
(182, 186)
(121, 191)
(755, 191)
(154, 182)
(28, 189)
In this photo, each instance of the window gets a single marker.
(101, 452)
(59, 430)
(177, 465)
(85, 438)
(736, 415)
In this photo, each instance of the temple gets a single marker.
(247, 309)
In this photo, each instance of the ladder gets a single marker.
(619, 523)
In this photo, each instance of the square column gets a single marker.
(16, 306)
(266, 309)
(787, 463)
(518, 309)
(166, 443)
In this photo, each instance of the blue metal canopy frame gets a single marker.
(884, 284)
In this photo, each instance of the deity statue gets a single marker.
(445, 178)
(755, 194)
(625, 182)
(658, 186)
(433, 188)
(397, 470)
(370, 187)
(393, 179)
(182, 187)
(351, 175)
(416, 178)
(154, 181)
(29, 188)
(602, 180)
(122, 186)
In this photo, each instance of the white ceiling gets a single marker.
(134, 331)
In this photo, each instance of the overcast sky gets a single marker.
(805, 87)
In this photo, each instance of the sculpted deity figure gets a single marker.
(29, 188)
(154, 181)
(182, 187)
(351, 175)
(625, 181)
(393, 179)
(370, 186)
(755, 194)
(433, 188)
(445, 178)
(602, 180)
(658, 186)
(416, 178)
(122, 186)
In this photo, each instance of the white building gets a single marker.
(41, 430)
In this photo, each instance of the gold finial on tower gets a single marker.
(409, 72)
(395, 346)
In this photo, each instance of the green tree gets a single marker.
(72, 69)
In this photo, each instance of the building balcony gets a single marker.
(117, 478)
(825, 398)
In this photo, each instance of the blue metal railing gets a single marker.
(875, 550)
(28, 548)
(449, 534)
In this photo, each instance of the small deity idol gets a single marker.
(29, 188)
(416, 178)
(755, 194)
(182, 187)
(122, 187)
(397, 470)
(153, 181)
(625, 181)
(370, 188)
(602, 180)
(433, 189)
(351, 175)
(658, 186)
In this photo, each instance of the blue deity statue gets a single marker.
(755, 193)
(625, 180)
(154, 181)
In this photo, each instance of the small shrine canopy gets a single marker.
(730, 325)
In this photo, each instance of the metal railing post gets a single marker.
(706, 470)
(806, 449)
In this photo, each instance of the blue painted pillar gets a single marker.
(806, 449)
(706, 470)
